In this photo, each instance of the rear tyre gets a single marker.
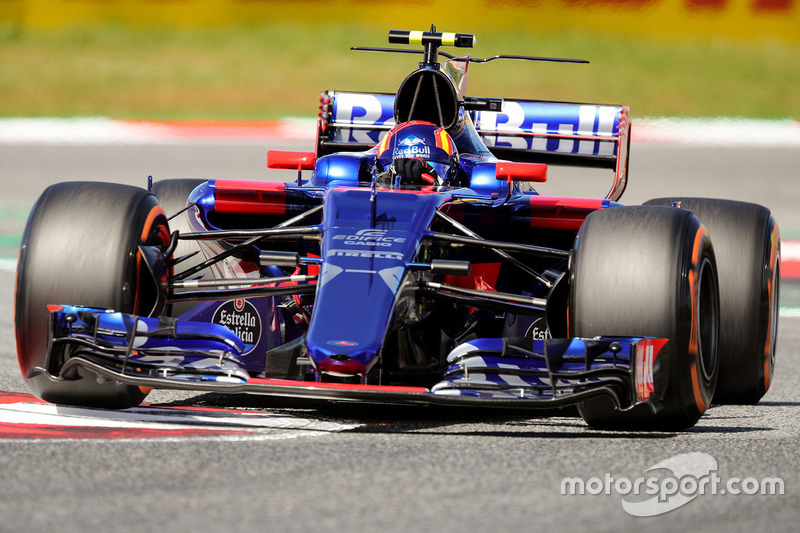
(80, 247)
(173, 196)
(650, 271)
(747, 247)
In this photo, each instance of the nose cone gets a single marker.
(352, 310)
(367, 241)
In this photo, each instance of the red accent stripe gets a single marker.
(18, 397)
(47, 431)
(421, 190)
(40, 431)
(790, 258)
(249, 185)
(591, 203)
(555, 212)
(253, 197)
(216, 129)
(790, 269)
(336, 386)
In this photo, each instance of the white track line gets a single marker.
(719, 132)
(8, 265)
(106, 131)
(253, 425)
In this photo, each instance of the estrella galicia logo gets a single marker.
(538, 330)
(241, 317)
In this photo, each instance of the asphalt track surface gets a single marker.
(347, 467)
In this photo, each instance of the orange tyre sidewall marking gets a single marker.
(698, 396)
(148, 226)
(775, 240)
(694, 347)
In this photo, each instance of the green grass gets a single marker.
(267, 71)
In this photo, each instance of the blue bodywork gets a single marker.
(343, 285)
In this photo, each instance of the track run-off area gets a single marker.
(187, 461)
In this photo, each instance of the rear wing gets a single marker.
(558, 133)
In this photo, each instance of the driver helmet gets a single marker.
(418, 139)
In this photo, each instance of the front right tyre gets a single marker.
(748, 251)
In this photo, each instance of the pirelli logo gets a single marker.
(366, 254)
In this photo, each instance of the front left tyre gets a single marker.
(647, 271)
(81, 247)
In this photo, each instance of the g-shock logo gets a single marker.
(370, 237)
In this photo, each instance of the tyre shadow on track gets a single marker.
(779, 404)
(444, 420)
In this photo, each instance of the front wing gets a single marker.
(511, 372)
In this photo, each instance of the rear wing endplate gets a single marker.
(558, 133)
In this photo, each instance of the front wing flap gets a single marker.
(129, 344)
(559, 371)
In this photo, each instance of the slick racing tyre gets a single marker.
(747, 247)
(650, 271)
(173, 196)
(80, 246)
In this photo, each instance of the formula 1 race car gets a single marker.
(416, 263)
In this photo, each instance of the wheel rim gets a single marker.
(708, 313)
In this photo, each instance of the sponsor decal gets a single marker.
(539, 330)
(412, 147)
(241, 317)
(369, 237)
(408, 142)
(366, 254)
(548, 127)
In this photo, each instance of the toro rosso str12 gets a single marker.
(414, 263)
